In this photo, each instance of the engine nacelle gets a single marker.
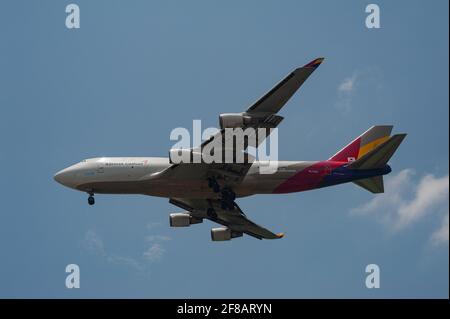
(233, 120)
(179, 219)
(223, 234)
(183, 220)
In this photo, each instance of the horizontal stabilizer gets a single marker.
(374, 184)
(379, 156)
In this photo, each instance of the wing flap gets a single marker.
(240, 223)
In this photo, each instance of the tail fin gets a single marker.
(371, 150)
(380, 155)
(376, 158)
(363, 144)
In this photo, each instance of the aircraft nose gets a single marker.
(58, 177)
(65, 177)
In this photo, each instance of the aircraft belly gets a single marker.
(191, 188)
(260, 184)
(111, 187)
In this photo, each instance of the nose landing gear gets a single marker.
(91, 200)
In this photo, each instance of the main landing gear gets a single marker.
(211, 212)
(227, 195)
(212, 183)
(91, 200)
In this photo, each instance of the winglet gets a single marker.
(280, 235)
(314, 63)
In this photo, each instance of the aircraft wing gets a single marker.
(263, 113)
(235, 219)
(276, 98)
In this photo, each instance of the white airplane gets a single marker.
(208, 191)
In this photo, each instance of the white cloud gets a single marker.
(124, 260)
(345, 92)
(152, 225)
(368, 80)
(406, 201)
(153, 238)
(348, 84)
(154, 252)
(430, 193)
(440, 236)
(94, 243)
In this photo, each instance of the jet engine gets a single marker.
(223, 233)
(183, 220)
(233, 120)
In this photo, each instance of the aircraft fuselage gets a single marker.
(130, 175)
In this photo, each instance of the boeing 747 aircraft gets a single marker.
(208, 191)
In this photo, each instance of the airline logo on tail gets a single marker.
(363, 144)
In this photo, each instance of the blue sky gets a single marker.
(137, 69)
